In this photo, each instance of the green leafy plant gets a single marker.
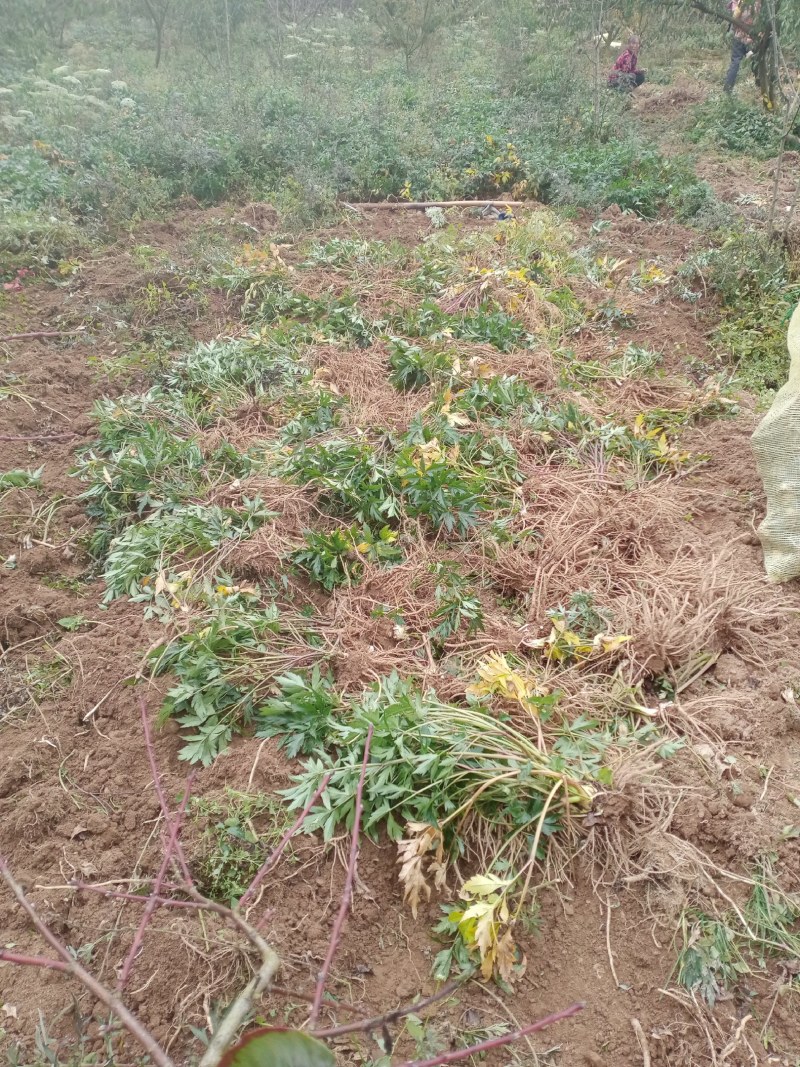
(431, 763)
(147, 554)
(353, 478)
(457, 604)
(414, 367)
(21, 479)
(300, 712)
(710, 960)
(338, 557)
(221, 669)
(237, 830)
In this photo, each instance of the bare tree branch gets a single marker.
(273, 858)
(153, 899)
(151, 757)
(496, 1042)
(32, 961)
(347, 894)
(133, 1025)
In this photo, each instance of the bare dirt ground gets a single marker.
(77, 797)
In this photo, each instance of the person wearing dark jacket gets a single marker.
(747, 13)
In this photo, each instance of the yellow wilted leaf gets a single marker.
(497, 677)
(483, 924)
(505, 956)
(458, 419)
(610, 643)
(363, 547)
(481, 885)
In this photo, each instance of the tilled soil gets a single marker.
(77, 797)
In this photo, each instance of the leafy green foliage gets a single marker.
(300, 713)
(338, 557)
(220, 669)
(143, 466)
(432, 487)
(710, 961)
(500, 395)
(718, 951)
(414, 367)
(139, 554)
(738, 126)
(457, 604)
(21, 479)
(758, 287)
(428, 761)
(237, 830)
(353, 478)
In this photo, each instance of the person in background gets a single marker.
(626, 73)
(746, 12)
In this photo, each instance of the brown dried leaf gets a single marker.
(411, 852)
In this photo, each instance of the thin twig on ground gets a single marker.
(496, 1042)
(153, 899)
(40, 436)
(276, 854)
(347, 894)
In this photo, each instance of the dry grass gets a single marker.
(691, 604)
(363, 377)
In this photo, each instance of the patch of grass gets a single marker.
(46, 678)
(237, 831)
(757, 286)
(737, 125)
(717, 952)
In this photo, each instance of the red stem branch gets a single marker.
(379, 1021)
(37, 333)
(347, 894)
(151, 756)
(154, 899)
(134, 1027)
(496, 1042)
(32, 961)
(272, 859)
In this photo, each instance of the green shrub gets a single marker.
(738, 126)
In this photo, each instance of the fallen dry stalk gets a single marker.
(38, 333)
(641, 1037)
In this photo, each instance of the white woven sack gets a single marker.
(776, 444)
